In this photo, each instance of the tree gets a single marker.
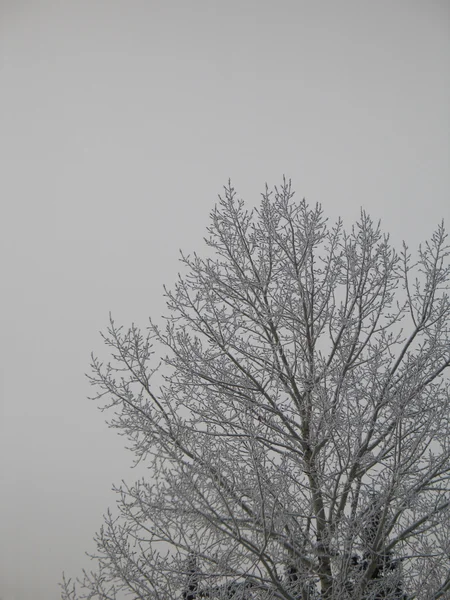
(297, 433)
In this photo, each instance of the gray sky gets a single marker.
(120, 121)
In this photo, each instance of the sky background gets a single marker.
(120, 121)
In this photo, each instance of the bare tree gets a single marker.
(297, 439)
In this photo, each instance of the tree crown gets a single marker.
(298, 441)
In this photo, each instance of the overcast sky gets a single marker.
(120, 121)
